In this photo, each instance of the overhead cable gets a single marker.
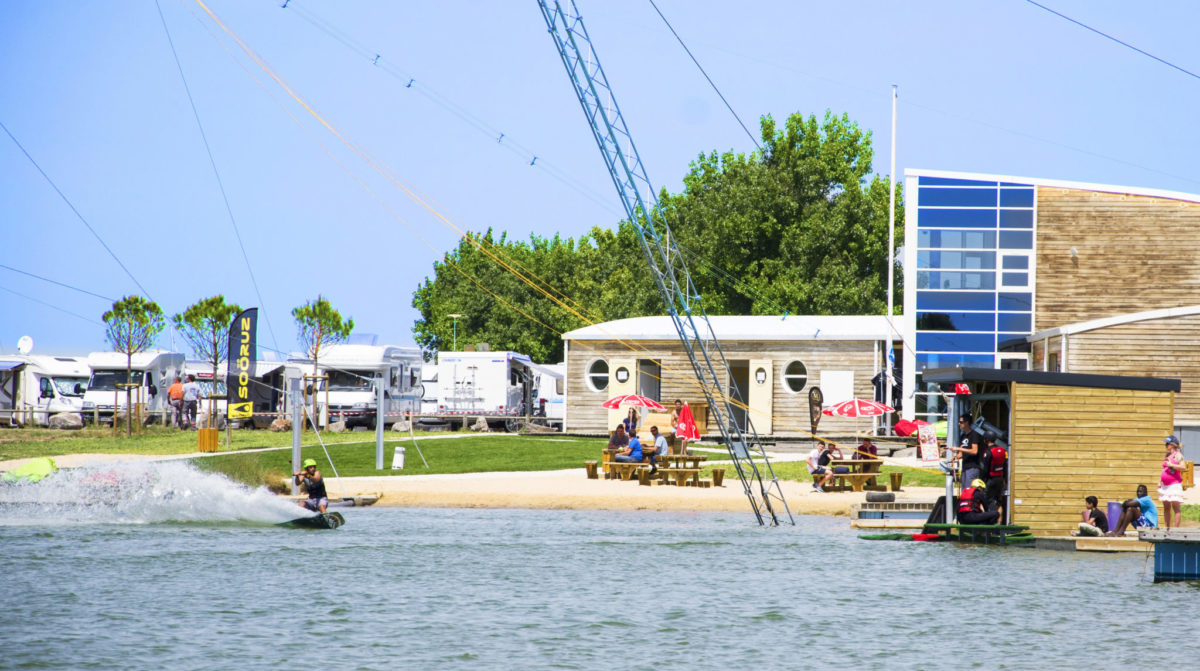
(68, 286)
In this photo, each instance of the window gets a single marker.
(597, 375)
(935, 218)
(795, 376)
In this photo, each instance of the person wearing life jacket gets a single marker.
(972, 505)
(995, 471)
(314, 484)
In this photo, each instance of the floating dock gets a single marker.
(1176, 553)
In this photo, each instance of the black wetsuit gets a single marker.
(316, 492)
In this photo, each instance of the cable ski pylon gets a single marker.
(664, 259)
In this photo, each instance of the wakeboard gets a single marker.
(322, 521)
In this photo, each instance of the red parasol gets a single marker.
(687, 425)
(857, 407)
(632, 400)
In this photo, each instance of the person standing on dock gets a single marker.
(969, 450)
(995, 468)
(1170, 484)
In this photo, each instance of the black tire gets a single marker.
(880, 497)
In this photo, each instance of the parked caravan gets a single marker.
(35, 387)
(351, 374)
(429, 384)
(499, 385)
(151, 374)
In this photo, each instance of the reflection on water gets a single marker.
(504, 589)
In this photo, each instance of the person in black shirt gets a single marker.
(311, 478)
(1095, 522)
(969, 449)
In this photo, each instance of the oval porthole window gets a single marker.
(795, 376)
(597, 375)
(622, 375)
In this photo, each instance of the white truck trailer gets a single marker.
(151, 374)
(504, 387)
(35, 387)
(352, 374)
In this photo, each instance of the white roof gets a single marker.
(140, 360)
(1081, 327)
(1057, 183)
(737, 327)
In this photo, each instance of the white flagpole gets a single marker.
(891, 261)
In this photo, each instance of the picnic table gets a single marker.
(683, 460)
(860, 473)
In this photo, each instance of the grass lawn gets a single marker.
(913, 477)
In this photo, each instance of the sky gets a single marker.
(454, 100)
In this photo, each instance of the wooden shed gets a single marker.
(1071, 435)
(774, 362)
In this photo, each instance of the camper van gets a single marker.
(152, 373)
(35, 387)
(499, 385)
(350, 374)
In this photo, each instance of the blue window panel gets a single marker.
(956, 239)
(1015, 279)
(957, 197)
(951, 341)
(956, 300)
(1016, 218)
(931, 360)
(956, 260)
(954, 279)
(1010, 302)
(956, 321)
(1016, 263)
(1010, 322)
(948, 181)
(933, 218)
(1029, 186)
(1010, 338)
(1016, 239)
(1016, 197)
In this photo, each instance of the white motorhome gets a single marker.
(151, 374)
(34, 387)
(429, 383)
(351, 375)
(498, 385)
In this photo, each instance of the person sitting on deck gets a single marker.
(632, 453)
(1095, 522)
(1140, 512)
(816, 468)
(995, 468)
(972, 504)
(866, 450)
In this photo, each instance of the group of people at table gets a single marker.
(821, 457)
(625, 439)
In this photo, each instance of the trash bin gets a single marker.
(1114, 514)
(207, 440)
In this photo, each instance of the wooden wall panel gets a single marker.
(789, 410)
(1071, 442)
(1168, 347)
(1134, 253)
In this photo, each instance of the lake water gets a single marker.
(167, 568)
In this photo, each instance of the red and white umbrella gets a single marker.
(857, 407)
(632, 400)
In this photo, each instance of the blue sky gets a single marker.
(92, 92)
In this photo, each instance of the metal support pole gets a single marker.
(952, 438)
(380, 420)
(296, 399)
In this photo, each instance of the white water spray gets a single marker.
(140, 493)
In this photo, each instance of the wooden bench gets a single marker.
(590, 466)
(857, 481)
(681, 475)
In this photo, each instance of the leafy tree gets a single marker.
(132, 326)
(800, 227)
(205, 325)
(319, 326)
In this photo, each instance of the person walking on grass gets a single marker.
(1170, 487)
(191, 401)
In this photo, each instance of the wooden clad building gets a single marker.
(774, 362)
(1070, 436)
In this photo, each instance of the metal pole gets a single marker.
(380, 420)
(297, 401)
(951, 439)
(891, 261)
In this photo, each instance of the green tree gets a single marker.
(800, 227)
(319, 326)
(205, 326)
(132, 326)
